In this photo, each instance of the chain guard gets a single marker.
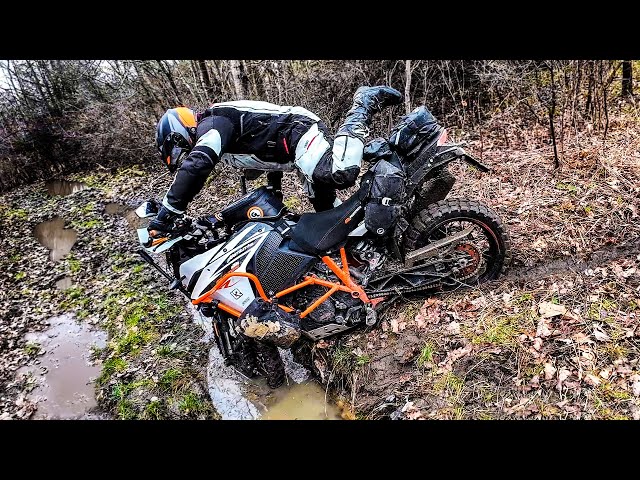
(435, 272)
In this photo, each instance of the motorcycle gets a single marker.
(269, 278)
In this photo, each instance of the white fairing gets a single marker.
(359, 231)
(237, 292)
(143, 237)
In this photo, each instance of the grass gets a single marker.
(32, 348)
(20, 275)
(500, 331)
(426, 355)
(169, 381)
(73, 263)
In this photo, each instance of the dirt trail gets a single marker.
(558, 266)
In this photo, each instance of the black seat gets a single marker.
(316, 233)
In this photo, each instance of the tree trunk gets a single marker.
(407, 86)
(552, 110)
(627, 78)
(236, 75)
(205, 78)
(167, 73)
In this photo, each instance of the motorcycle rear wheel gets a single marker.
(446, 216)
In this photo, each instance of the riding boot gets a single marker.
(367, 101)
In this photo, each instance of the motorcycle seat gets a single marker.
(317, 233)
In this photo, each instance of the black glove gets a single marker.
(164, 223)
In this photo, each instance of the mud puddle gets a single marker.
(236, 397)
(128, 213)
(55, 237)
(64, 187)
(64, 373)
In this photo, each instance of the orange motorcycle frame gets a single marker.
(347, 285)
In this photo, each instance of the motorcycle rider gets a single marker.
(268, 137)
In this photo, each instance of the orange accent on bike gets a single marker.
(347, 220)
(169, 160)
(158, 241)
(317, 303)
(348, 285)
(286, 147)
(228, 309)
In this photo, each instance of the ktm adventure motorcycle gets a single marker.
(269, 278)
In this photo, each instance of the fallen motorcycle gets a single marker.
(269, 278)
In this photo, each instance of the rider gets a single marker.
(268, 137)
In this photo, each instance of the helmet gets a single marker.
(175, 135)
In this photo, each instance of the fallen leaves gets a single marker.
(548, 309)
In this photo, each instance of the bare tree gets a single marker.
(627, 78)
(407, 86)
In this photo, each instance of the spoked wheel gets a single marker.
(483, 254)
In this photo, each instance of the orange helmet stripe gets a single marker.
(187, 116)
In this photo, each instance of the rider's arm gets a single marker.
(213, 136)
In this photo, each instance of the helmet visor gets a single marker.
(173, 150)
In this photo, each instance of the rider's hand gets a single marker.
(164, 223)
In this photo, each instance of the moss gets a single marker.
(20, 275)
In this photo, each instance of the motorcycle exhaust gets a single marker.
(268, 323)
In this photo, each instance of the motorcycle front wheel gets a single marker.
(488, 245)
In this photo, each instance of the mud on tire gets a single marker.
(430, 219)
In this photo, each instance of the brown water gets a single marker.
(64, 187)
(129, 214)
(300, 401)
(55, 237)
(65, 374)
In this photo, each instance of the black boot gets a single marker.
(367, 101)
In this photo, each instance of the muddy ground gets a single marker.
(558, 337)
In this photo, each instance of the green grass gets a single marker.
(20, 275)
(426, 355)
(169, 381)
(502, 331)
(154, 410)
(111, 366)
(32, 348)
(191, 404)
(94, 223)
(450, 383)
(566, 187)
(74, 264)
